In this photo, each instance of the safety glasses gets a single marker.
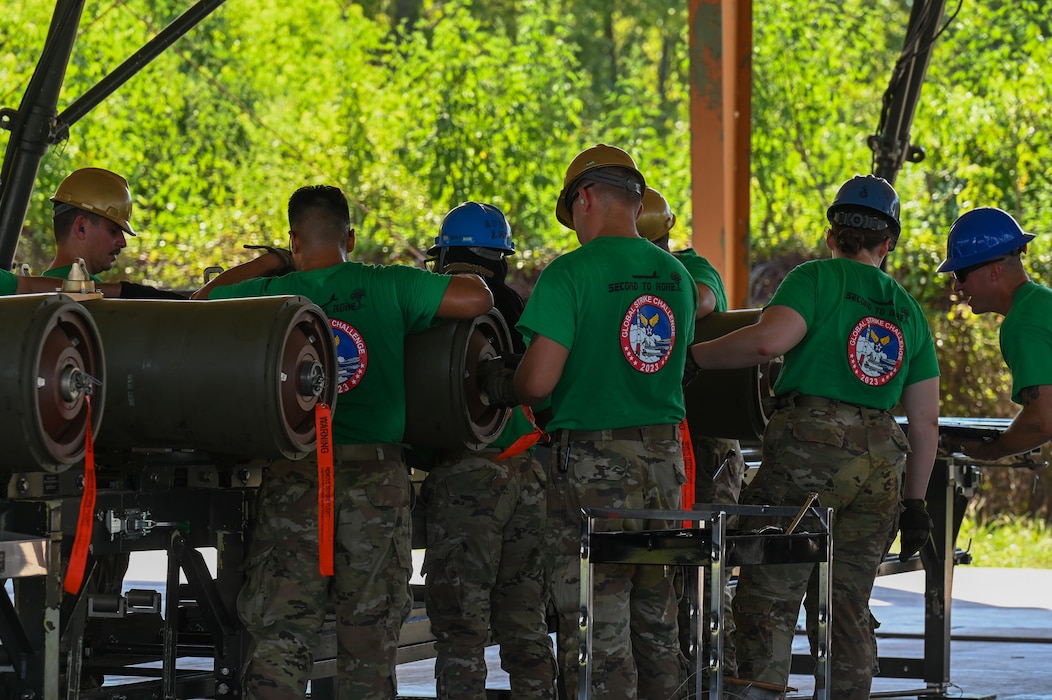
(962, 274)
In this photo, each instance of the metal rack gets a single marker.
(113, 633)
(708, 542)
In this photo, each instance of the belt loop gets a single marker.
(379, 453)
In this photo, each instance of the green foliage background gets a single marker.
(413, 106)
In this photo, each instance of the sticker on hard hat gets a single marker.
(352, 356)
(648, 333)
(875, 351)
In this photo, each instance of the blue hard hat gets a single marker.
(474, 225)
(982, 234)
(862, 194)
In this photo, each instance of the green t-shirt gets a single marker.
(625, 310)
(702, 272)
(1026, 338)
(8, 283)
(866, 337)
(371, 308)
(63, 273)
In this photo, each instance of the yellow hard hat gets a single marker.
(97, 191)
(657, 218)
(588, 162)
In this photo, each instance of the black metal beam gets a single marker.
(32, 125)
(135, 63)
(891, 144)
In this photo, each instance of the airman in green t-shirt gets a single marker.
(983, 253)
(855, 344)
(607, 326)
(284, 600)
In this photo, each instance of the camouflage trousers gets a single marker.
(284, 601)
(854, 458)
(710, 454)
(484, 572)
(635, 638)
(720, 458)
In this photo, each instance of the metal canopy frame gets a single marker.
(721, 113)
(36, 124)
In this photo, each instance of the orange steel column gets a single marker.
(721, 114)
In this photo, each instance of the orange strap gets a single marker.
(690, 467)
(78, 559)
(326, 489)
(526, 441)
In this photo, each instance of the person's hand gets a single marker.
(285, 255)
(914, 528)
(949, 445)
(496, 382)
(982, 449)
(512, 360)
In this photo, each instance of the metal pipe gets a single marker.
(891, 144)
(135, 63)
(32, 126)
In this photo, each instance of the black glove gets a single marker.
(496, 381)
(914, 528)
(690, 368)
(131, 290)
(284, 254)
(512, 360)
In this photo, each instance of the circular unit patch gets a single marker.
(648, 333)
(352, 357)
(875, 350)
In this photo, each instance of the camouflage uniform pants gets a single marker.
(284, 600)
(634, 629)
(483, 565)
(710, 454)
(853, 457)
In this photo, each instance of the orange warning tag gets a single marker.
(526, 441)
(691, 468)
(78, 560)
(326, 489)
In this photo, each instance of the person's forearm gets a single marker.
(467, 296)
(1029, 430)
(921, 403)
(1018, 438)
(742, 348)
(919, 463)
(779, 329)
(261, 266)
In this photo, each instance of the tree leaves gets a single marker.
(413, 107)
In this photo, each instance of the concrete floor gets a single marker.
(1001, 623)
(1001, 646)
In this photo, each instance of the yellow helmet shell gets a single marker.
(594, 158)
(100, 192)
(657, 218)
